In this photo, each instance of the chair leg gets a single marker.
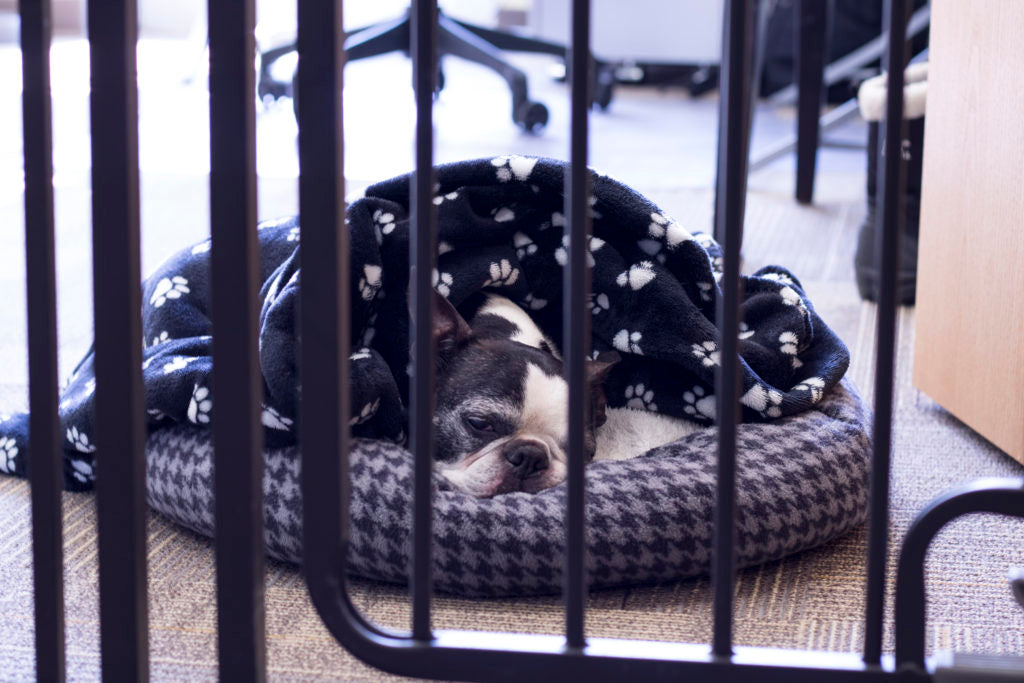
(810, 62)
(460, 42)
(510, 41)
(378, 40)
(602, 73)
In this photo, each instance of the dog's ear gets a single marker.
(597, 372)
(450, 329)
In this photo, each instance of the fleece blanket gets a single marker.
(501, 229)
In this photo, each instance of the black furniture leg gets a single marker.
(511, 41)
(744, 70)
(810, 65)
(378, 39)
(455, 40)
(602, 74)
(365, 42)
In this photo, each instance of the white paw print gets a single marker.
(746, 332)
(294, 234)
(502, 274)
(370, 283)
(705, 289)
(708, 353)
(788, 345)
(788, 341)
(361, 354)
(368, 411)
(704, 239)
(82, 471)
(177, 363)
(524, 245)
(443, 248)
(8, 450)
(791, 298)
(160, 338)
(662, 226)
(628, 342)
(534, 303)
(599, 303)
(79, 440)
(200, 405)
(385, 221)
(155, 415)
(815, 386)
(169, 288)
(699, 404)
(562, 253)
(201, 248)
(275, 420)
(558, 219)
(640, 397)
(517, 167)
(764, 401)
(442, 283)
(439, 199)
(504, 215)
(637, 276)
(781, 278)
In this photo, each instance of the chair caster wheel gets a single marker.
(603, 86)
(531, 116)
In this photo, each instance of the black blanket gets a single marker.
(501, 229)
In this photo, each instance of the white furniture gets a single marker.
(648, 31)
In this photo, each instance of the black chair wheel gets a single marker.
(531, 116)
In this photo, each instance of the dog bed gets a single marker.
(655, 287)
(801, 481)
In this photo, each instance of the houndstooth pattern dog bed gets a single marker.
(801, 481)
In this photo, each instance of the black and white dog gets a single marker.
(501, 413)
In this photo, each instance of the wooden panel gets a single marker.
(969, 349)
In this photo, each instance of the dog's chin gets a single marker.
(486, 474)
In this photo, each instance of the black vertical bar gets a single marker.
(117, 300)
(237, 382)
(44, 428)
(325, 324)
(737, 46)
(890, 185)
(742, 60)
(810, 69)
(576, 327)
(422, 250)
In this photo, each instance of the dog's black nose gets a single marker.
(527, 458)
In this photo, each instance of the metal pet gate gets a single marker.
(422, 652)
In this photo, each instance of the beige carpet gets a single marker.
(811, 600)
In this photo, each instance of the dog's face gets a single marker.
(501, 422)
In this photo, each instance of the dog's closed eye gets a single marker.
(479, 423)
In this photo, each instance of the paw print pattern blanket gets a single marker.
(500, 228)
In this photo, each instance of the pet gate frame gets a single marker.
(422, 652)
